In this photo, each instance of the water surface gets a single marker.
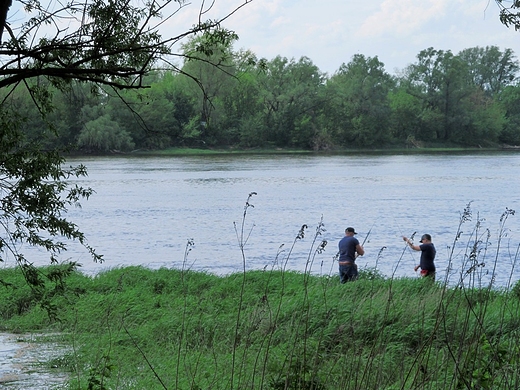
(23, 363)
(145, 210)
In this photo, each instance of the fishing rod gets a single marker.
(365, 240)
(405, 246)
(368, 234)
(402, 234)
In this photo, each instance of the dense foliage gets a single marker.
(466, 99)
(134, 328)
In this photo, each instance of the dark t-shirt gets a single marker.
(347, 248)
(427, 256)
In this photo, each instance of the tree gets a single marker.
(490, 69)
(209, 84)
(243, 105)
(405, 124)
(510, 101)
(359, 105)
(437, 79)
(102, 134)
(481, 120)
(110, 44)
(289, 91)
(458, 93)
(158, 114)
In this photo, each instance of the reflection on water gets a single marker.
(145, 210)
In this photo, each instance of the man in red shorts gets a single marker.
(428, 252)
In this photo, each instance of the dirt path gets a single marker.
(21, 364)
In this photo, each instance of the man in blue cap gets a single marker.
(349, 250)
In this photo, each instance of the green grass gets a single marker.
(135, 328)
(224, 151)
(390, 149)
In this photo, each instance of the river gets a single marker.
(22, 363)
(146, 209)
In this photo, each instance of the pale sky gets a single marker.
(330, 32)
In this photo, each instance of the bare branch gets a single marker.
(112, 43)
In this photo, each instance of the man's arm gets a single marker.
(414, 247)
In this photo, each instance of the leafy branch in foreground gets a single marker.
(509, 13)
(34, 197)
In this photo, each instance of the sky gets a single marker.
(330, 32)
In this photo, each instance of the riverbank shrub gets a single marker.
(135, 328)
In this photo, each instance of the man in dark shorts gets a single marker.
(428, 252)
(349, 250)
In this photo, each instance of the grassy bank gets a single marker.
(135, 328)
(273, 151)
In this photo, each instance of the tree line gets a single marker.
(225, 98)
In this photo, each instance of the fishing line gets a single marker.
(368, 234)
(405, 245)
(402, 235)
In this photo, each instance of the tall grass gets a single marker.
(136, 328)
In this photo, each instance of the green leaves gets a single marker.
(103, 134)
(35, 195)
(360, 104)
(509, 16)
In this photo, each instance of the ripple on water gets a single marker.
(21, 363)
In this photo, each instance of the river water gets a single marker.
(22, 365)
(146, 209)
